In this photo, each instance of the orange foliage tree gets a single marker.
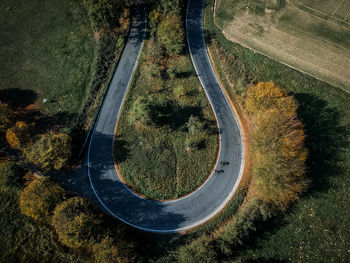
(278, 144)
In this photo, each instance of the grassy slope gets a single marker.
(49, 50)
(317, 228)
(156, 163)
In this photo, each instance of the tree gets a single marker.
(39, 198)
(140, 111)
(18, 136)
(278, 143)
(76, 222)
(10, 175)
(171, 34)
(50, 151)
(195, 136)
(199, 250)
(266, 95)
(194, 125)
(105, 251)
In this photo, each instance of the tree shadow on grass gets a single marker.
(18, 98)
(326, 139)
(121, 150)
(172, 114)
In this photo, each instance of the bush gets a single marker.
(10, 175)
(171, 34)
(76, 222)
(50, 151)
(39, 198)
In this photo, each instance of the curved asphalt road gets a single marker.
(211, 197)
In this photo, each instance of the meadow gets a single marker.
(48, 53)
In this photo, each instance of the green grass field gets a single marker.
(154, 160)
(316, 228)
(47, 51)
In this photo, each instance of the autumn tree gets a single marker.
(105, 251)
(278, 143)
(170, 34)
(39, 198)
(50, 151)
(76, 222)
(18, 136)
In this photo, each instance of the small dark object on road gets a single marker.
(224, 163)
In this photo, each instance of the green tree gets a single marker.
(195, 137)
(76, 222)
(140, 111)
(39, 198)
(50, 151)
(171, 34)
(199, 250)
(194, 125)
(10, 175)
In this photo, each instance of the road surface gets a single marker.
(211, 197)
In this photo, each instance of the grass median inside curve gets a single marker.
(166, 141)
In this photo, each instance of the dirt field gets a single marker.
(303, 40)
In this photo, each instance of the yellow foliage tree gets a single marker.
(278, 143)
(39, 198)
(50, 151)
(18, 135)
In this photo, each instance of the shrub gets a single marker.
(39, 198)
(171, 34)
(50, 151)
(76, 222)
(10, 175)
